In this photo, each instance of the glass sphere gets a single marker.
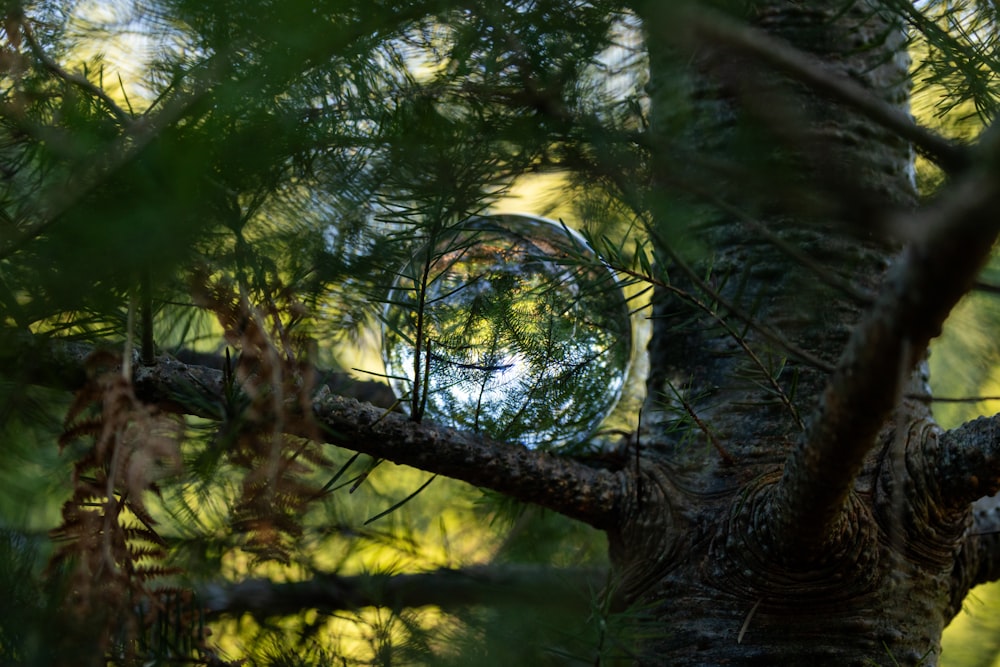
(510, 326)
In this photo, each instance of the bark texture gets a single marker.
(831, 540)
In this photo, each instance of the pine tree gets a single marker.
(766, 240)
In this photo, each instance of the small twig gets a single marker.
(689, 409)
(81, 82)
(746, 621)
(416, 407)
(748, 319)
(927, 398)
(402, 502)
(980, 286)
(725, 325)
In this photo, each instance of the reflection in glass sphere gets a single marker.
(509, 325)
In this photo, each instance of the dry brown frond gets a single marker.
(276, 386)
(109, 547)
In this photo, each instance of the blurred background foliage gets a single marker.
(955, 91)
(295, 150)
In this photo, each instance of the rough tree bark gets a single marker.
(813, 512)
(836, 537)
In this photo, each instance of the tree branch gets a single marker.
(984, 541)
(124, 118)
(592, 495)
(138, 135)
(589, 494)
(957, 235)
(444, 588)
(377, 393)
(967, 461)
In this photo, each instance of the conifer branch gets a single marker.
(967, 461)
(827, 275)
(956, 236)
(690, 412)
(123, 117)
(771, 380)
(60, 198)
(772, 335)
(633, 198)
(591, 495)
(448, 589)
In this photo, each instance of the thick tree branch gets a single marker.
(592, 495)
(957, 234)
(338, 382)
(589, 494)
(59, 364)
(967, 461)
(568, 590)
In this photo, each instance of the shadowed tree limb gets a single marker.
(930, 277)
(58, 363)
(592, 495)
(967, 462)
(339, 382)
(568, 589)
(983, 543)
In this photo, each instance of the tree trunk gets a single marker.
(698, 559)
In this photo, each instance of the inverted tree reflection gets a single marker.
(509, 325)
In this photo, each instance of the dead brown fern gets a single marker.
(109, 550)
(271, 384)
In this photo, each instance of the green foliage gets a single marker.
(22, 624)
(263, 171)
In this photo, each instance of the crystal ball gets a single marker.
(508, 325)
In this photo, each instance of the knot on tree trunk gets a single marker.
(914, 515)
(653, 533)
(750, 562)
